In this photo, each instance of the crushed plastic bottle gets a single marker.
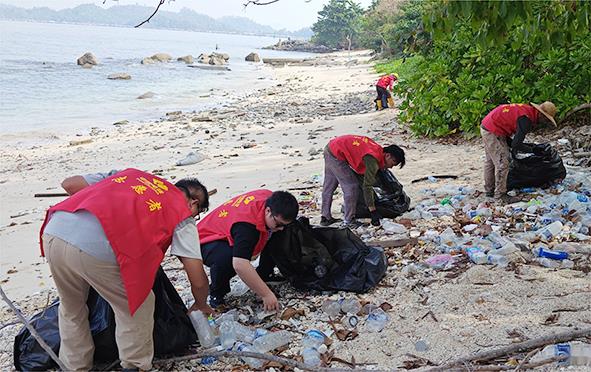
(477, 255)
(271, 341)
(577, 353)
(252, 362)
(311, 357)
(497, 259)
(376, 320)
(350, 321)
(202, 328)
(549, 232)
(350, 306)
(393, 227)
(331, 307)
(440, 261)
(228, 334)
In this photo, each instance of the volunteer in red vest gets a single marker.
(111, 234)
(497, 128)
(345, 159)
(237, 232)
(384, 83)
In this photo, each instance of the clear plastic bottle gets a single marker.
(252, 362)
(477, 255)
(313, 338)
(202, 328)
(578, 353)
(549, 232)
(497, 259)
(350, 306)
(331, 307)
(244, 333)
(376, 320)
(228, 334)
(311, 357)
(350, 321)
(271, 341)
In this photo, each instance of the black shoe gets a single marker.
(506, 199)
(216, 302)
(490, 194)
(329, 221)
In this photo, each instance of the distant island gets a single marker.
(130, 15)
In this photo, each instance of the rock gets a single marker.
(188, 59)
(203, 58)
(216, 61)
(161, 57)
(252, 57)
(119, 76)
(191, 158)
(146, 95)
(224, 56)
(87, 59)
(300, 46)
(121, 122)
(80, 142)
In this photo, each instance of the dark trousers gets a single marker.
(383, 95)
(218, 255)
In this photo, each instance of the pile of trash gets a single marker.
(550, 227)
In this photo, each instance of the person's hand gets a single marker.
(270, 302)
(375, 218)
(204, 308)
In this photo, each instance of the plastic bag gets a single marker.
(543, 167)
(173, 331)
(326, 258)
(390, 198)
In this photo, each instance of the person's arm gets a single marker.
(74, 184)
(524, 126)
(246, 237)
(369, 180)
(199, 283)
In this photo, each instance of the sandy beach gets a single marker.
(274, 139)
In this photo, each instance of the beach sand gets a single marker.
(274, 139)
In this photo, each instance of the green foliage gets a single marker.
(338, 24)
(491, 52)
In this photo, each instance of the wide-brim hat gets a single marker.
(548, 109)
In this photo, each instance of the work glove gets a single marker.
(539, 151)
(375, 218)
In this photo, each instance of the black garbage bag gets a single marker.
(541, 168)
(326, 258)
(390, 198)
(173, 331)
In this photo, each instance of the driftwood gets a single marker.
(453, 177)
(34, 333)
(582, 154)
(247, 354)
(553, 338)
(576, 109)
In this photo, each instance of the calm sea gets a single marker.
(42, 88)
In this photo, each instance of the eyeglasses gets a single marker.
(279, 224)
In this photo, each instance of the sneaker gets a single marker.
(506, 199)
(490, 194)
(216, 302)
(353, 224)
(329, 221)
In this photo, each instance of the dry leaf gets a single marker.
(386, 306)
(345, 335)
(290, 312)
(552, 319)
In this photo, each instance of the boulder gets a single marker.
(203, 58)
(147, 61)
(119, 76)
(187, 59)
(146, 95)
(161, 57)
(87, 59)
(224, 56)
(216, 61)
(252, 57)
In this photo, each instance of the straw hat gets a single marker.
(548, 109)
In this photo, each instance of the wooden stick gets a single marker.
(212, 192)
(247, 354)
(582, 154)
(51, 195)
(436, 176)
(33, 331)
(526, 366)
(553, 338)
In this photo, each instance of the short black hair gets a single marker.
(397, 153)
(186, 184)
(283, 204)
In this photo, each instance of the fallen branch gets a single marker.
(33, 331)
(554, 338)
(436, 176)
(153, 14)
(525, 366)
(4, 325)
(575, 109)
(51, 195)
(581, 154)
(247, 354)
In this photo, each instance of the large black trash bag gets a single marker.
(390, 199)
(326, 258)
(173, 332)
(543, 167)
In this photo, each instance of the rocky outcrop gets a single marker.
(119, 76)
(158, 57)
(87, 60)
(215, 59)
(188, 59)
(147, 95)
(300, 46)
(252, 57)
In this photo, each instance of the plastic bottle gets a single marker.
(350, 321)
(549, 232)
(548, 262)
(477, 255)
(202, 328)
(313, 338)
(350, 306)
(252, 362)
(228, 334)
(393, 227)
(578, 353)
(497, 259)
(376, 320)
(311, 357)
(331, 307)
(271, 341)
(230, 315)
(555, 255)
(244, 333)
(506, 249)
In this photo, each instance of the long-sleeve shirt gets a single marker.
(524, 126)
(369, 179)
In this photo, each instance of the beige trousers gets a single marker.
(74, 272)
(496, 163)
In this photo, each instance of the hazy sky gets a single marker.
(289, 14)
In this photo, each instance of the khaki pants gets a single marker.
(74, 272)
(496, 163)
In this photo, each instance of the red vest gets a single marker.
(352, 149)
(385, 81)
(248, 207)
(138, 212)
(502, 121)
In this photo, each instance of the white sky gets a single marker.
(289, 14)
